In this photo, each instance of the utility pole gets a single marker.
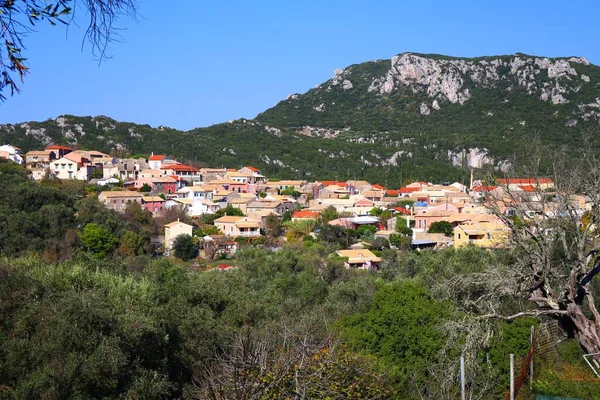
(531, 360)
(462, 378)
(512, 376)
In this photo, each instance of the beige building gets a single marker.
(486, 234)
(238, 226)
(64, 168)
(359, 259)
(119, 200)
(173, 230)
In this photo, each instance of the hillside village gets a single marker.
(243, 204)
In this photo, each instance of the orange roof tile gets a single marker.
(305, 214)
(57, 147)
(157, 158)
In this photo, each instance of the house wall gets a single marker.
(119, 203)
(171, 232)
(64, 169)
(154, 206)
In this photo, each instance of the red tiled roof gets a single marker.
(224, 266)
(57, 147)
(181, 168)
(305, 214)
(409, 190)
(337, 183)
(157, 158)
(392, 193)
(378, 187)
(529, 188)
(402, 210)
(175, 177)
(253, 169)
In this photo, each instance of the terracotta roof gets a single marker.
(378, 187)
(152, 199)
(392, 193)
(337, 183)
(57, 147)
(157, 158)
(247, 224)
(224, 266)
(252, 168)
(409, 189)
(175, 223)
(180, 168)
(358, 256)
(402, 210)
(228, 219)
(305, 214)
(121, 193)
(38, 153)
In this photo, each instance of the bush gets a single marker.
(444, 227)
(184, 247)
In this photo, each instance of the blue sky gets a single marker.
(192, 63)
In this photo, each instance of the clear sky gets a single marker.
(192, 63)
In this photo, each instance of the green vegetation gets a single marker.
(444, 227)
(400, 313)
(184, 247)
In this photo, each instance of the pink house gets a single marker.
(364, 203)
(154, 204)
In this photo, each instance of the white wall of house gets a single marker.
(64, 168)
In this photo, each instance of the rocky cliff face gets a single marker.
(449, 80)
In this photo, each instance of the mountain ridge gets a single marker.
(412, 116)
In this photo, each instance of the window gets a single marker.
(459, 235)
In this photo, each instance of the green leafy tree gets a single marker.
(329, 214)
(98, 240)
(273, 227)
(402, 242)
(132, 244)
(337, 235)
(402, 228)
(184, 247)
(291, 191)
(402, 327)
(146, 188)
(301, 227)
(444, 227)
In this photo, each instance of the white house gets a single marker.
(11, 153)
(195, 193)
(193, 207)
(64, 168)
(156, 161)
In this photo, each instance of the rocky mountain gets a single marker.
(415, 116)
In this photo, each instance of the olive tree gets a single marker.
(553, 233)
